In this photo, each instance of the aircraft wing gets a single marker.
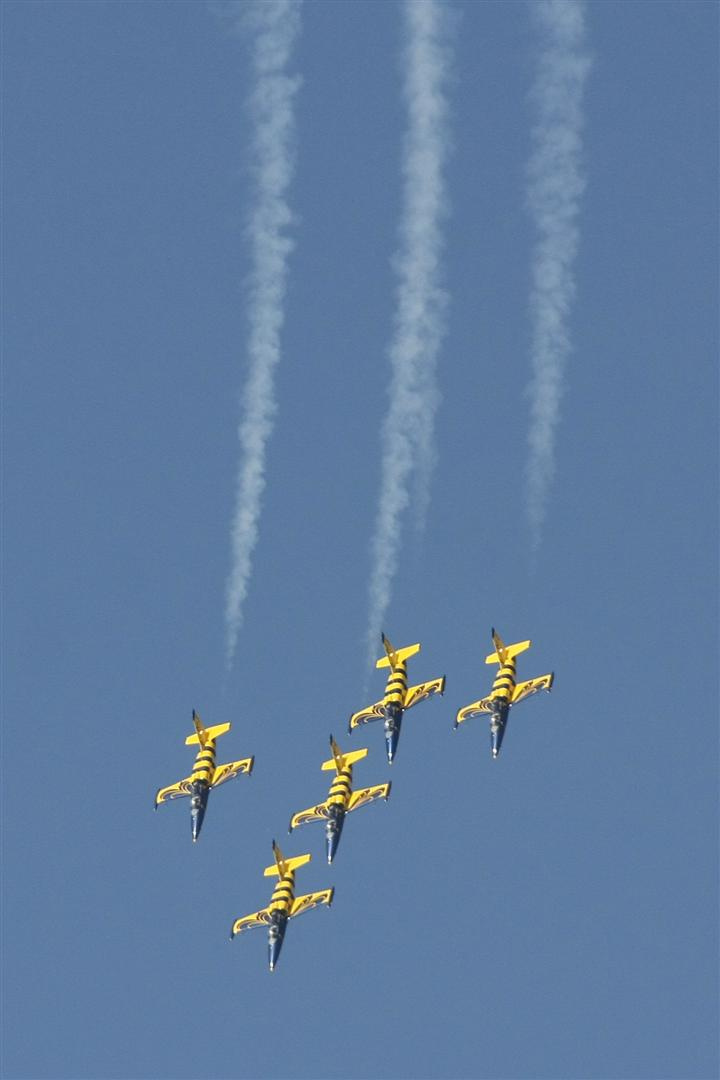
(233, 768)
(368, 795)
(315, 813)
(481, 706)
(310, 900)
(423, 690)
(372, 712)
(258, 918)
(174, 791)
(532, 686)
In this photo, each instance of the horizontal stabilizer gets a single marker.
(208, 733)
(396, 656)
(347, 759)
(508, 652)
(288, 864)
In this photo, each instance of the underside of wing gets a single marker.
(477, 707)
(315, 813)
(368, 795)
(423, 690)
(174, 791)
(532, 686)
(233, 768)
(372, 712)
(258, 918)
(310, 900)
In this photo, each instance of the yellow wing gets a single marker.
(174, 791)
(258, 918)
(315, 813)
(310, 900)
(368, 795)
(483, 705)
(532, 686)
(372, 712)
(423, 690)
(233, 768)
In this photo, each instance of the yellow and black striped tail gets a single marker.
(281, 866)
(393, 657)
(504, 653)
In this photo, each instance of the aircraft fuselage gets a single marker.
(500, 699)
(201, 779)
(338, 799)
(280, 907)
(393, 707)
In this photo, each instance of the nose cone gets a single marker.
(276, 933)
(332, 837)
(393, 720)
(196, 819)
(198, 804)
(497, 732)
(274, 948)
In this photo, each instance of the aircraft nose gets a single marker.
(274, 946)
(331, 841)
(196, 820)
(333, 829)
(496, 737)
(391, 741)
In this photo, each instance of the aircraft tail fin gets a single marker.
(393, 656)
(282, 865)
(202, 734)
(345, 759)
(504, 652)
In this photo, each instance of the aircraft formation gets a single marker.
(341, 800)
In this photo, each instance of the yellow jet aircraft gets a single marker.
(341, 799)
(398, 696)
(205, 775)
(283, 904)
(505, 692)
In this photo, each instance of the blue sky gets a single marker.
(551, 914)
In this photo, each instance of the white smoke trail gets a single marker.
(553, 196)
(276, 25)
(407, 438)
